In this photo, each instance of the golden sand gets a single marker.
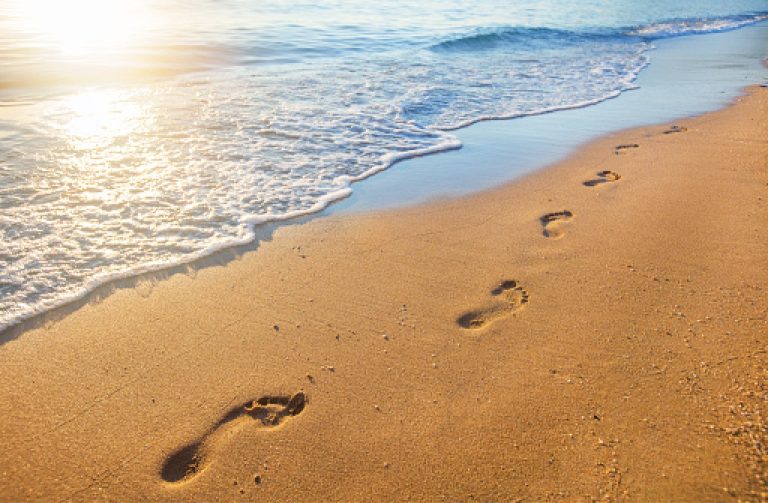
(596, 330)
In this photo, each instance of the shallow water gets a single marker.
(688, 76)
(150, 133)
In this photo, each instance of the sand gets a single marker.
(594, 331)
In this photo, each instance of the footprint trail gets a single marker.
(624, 148)
(552, 221)
(676, 129)
(603, 177)
(512, 298)
(267, 412)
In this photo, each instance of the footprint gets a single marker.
(513, 298)
(676, 129)
(621, 149)
(551, 223)
(266, 412)
(604, 177)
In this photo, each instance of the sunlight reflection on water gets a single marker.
(94, 119)
(83, 28)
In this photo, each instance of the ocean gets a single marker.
(137, 135)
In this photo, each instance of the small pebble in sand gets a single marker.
(257, 479)
(377, 407)
(385, 337)
(276, 328)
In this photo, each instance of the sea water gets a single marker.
(139, 135)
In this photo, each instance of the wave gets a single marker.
(491, 38)
(694, 26)
(510, 36)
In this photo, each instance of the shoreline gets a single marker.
(152, 274)
(341, 201)
(573, 334)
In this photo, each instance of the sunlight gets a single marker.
(96, 118)
(83, 27)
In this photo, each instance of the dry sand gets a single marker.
(550, 339)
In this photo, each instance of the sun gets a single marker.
(83, 27)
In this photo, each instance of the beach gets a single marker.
(594, 330)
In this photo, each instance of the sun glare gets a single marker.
(94, 119)
(82, 27)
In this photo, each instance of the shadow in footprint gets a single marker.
(513, 297)
(624, 147)
(551, 223)
(266, 412)
(676, 129)
(603, 177)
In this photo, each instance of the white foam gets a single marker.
(696, 26)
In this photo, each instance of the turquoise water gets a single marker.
(137, 135)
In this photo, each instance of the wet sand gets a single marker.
(596, 330)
